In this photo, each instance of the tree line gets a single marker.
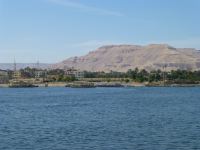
(174, 76)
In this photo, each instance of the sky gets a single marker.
(50, 31)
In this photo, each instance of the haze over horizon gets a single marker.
(52, 30)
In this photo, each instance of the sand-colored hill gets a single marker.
(124, 57)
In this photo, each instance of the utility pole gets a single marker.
(38, 65)
(15, 66)
(15, 73)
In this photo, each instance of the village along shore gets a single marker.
(70, 77)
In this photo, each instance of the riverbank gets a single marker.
(104, 84)
(78, 84)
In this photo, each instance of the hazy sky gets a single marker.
(53, 30)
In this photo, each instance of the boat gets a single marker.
(21, 84)
(80, 85)
(109, 85)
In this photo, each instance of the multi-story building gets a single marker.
(17, 74)
(74, 73)
(40, 74)
(4, 78)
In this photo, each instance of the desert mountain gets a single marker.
(124, 57)
(10, 66)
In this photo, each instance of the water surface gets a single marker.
(100, 119)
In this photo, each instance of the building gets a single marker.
(79, 74)
(17, 74)
(4, 78)
(40, 74)
(74, 73)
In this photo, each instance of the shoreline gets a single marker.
(109, 84)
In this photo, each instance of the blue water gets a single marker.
(100, 119)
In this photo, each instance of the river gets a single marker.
(143, 118)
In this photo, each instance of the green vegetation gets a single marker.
(172, 77)
(54, 75)
(136, 75)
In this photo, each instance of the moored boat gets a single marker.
(80, 85)
(21, 84)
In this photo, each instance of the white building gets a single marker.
(40, 74)
(74, 73)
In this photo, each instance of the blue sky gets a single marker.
(53, 30)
